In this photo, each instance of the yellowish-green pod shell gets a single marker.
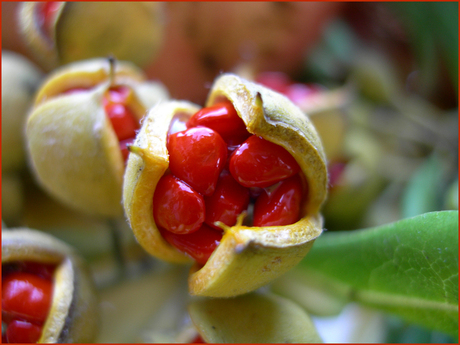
(247, 257)
(73, 149)
(130, 31)
(252, 318)
(74, 314)
(20, 80)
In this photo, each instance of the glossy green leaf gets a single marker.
(408, 268)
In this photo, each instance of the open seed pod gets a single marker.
(62, 32)
(74, 148)
(73, 316)
(247, 257)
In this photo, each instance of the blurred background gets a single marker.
(378, 79)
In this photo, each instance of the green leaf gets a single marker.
(408, 268)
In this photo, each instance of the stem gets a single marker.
(112, 64)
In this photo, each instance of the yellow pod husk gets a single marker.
(252, 318)
(73, 149)
(74, 313)
(131, 31)
(20, 79)
(247, 257)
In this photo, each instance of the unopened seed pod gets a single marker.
(62, 32)
(20, 80)
(72, 144)
(73, 316)
(247, 257)
(232, 320)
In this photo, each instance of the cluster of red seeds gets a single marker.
(216, 169)
(27, 289)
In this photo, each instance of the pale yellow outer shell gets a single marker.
(74, 152)
(252, 318)
(73, 317)
(71, 144)
(247, 257)
(41, 47)
(20, 79)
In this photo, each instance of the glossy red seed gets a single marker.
(228, 201)
(280, 204)
(222, 118)
(123, 121)
(26, 296)
(199, 244)
(177, 207)
(197, 156)
(23, 332)
(261, 163)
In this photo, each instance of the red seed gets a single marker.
(123, 121)
(199, 244)
(279, 204)
(197, 156)
(19, 331)
(222, 118)
(177, 207)
(261, 163)
(27, 296)
(229, 200)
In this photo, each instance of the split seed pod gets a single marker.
(247, 257)
(71, 31)
(73, 316)
(73, 148)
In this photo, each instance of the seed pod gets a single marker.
(74, 150)
(279, 320)
(73, 317)
(65, 32)
(247, 257)
(20, 79)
